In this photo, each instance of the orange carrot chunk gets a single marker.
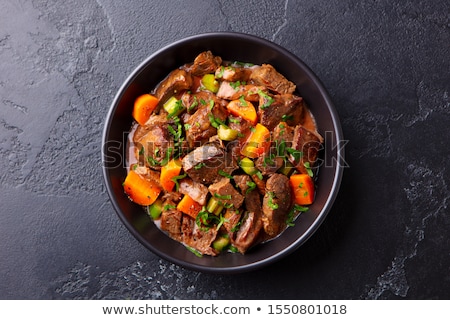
(189, 206)
(257, 142)
(140, 190)
(143, 107)
(168, 172)
(302, 186)
(244, 109)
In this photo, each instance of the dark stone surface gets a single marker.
(386, 65)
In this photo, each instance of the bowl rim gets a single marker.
(338, 171)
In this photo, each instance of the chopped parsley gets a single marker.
(226, 175)
(251, 186)
(270, 203)
(266, 100)
(308, 169)
(199, 165)
(175, 180)
(223, 197)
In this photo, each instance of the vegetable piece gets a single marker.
(214, 206)
(248, 166)
(244, 109)
(221, 243)
(141, 190)
(189, 206)
(226, 134)
(173, 106)
(155, 209)
(257, 142)
(168, 172)
(143, 108)
(286, 169)
(210, 83)
(302, 187)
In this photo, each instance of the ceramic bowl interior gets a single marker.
(231, 47)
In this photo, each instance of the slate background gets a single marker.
(386, 65)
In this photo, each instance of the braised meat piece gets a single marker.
(192, 101)
(251, 224)
(240, 125)
(266, 75)
(205, 63)
(171, 223)
(260, 184)
(195, 190)
(308, 144)
(276, 204)
(231, 222)
(233, 73)
(200, 127)
(204, 163)
(243, 182)
(198, 238)
(269, 163)
(283, 133)
(232, 91)
(284, 108)
(177, 81)
(224, 191)
(153, 142)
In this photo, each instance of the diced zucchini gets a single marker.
(221, 243)
(286, 169)
(226, 134)
(210, 83)
(248, 166)
(173, 106)
(214, 206)
(154, 210)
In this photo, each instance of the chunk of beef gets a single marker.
(266, 75)
(251, 224)
(153, 141)
(233, 73)
(177, 81)
(308, 144)
(230, 91)
(269, 163)
(171, 223)
(276, 204)
(260, 184)
(224, 191)
(231, 223)
(195, 190)
(205, 63)
(242, 182)
(199, 124)
(192, 101)
(204, 163)
(283, 133)
(198, 238)
(286, 107)
(240, 125)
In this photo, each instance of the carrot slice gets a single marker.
(244, 109)
(143, 107)
(302, 187)
(169, 171)
(189, 206)
(141, 190)
(257, 142)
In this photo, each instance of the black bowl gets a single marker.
(231, 47)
